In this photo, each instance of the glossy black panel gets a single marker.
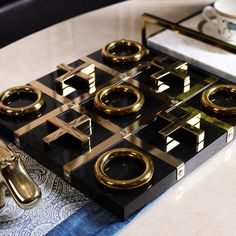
(124, 202)
(66, 148)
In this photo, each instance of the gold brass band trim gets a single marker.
(210, 105)
(139, 181)
(101, 66)
(23, 130)
(159, 154)
(48, 91)
(21, 111)
(109, 52)
(218, 123)
(101, 94)
(79, 161)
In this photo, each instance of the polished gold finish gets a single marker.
(70, 128)
(150, 19)
(159, 154)
(178, 69)
(25, 129)
(48, 91)
(14, 177)
(110, 110)
(197, 88)
(221, 110)
(101, 66)
(111, 51)
(21, 111)
(213, 120)
(90, 155)
(137, 182)
(85, 72)
(189, 122)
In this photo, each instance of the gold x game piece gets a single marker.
(72, 128)
(83, 75)
(177, 69)
(189, 123)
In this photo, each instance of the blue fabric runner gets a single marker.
(90, 220)
(93, 219)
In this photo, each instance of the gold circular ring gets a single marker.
(110, 110)
(21, 111)
(111, 51)
(205, 99)
(139, 181)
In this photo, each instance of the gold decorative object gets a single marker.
(118, 51)
(21, 111)
(85, 72)
(179, 69)
(210, 105)
(14, 177)
(122, 89)
(190, 122)
(137, 182)
(69, 128)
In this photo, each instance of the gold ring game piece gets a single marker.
(100, 104)
(103, 160)
(123, 51)
(21, 111)
(206, 101)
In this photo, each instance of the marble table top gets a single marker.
(203, 203)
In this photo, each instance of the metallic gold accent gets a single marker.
(70, 128)
(165, 157)
(100, 66)
(23, 130)
(197, 88)
(91, 154)
(221, 110)
(104, 159)
(150, 19)
(51, 93)
(218, 123)
(110, 110)
(14, 177)
(188, 122)
(21, 111)
(116, 80)
(85, 72)
(111, 51)
(178, 69)
(99, 120)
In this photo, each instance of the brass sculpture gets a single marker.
(14, 177)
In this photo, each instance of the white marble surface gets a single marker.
(205, 56)
(204, 202)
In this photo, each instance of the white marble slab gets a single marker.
(202, 55)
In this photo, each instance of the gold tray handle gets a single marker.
(15, 178)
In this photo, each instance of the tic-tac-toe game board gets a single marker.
(121, 125)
